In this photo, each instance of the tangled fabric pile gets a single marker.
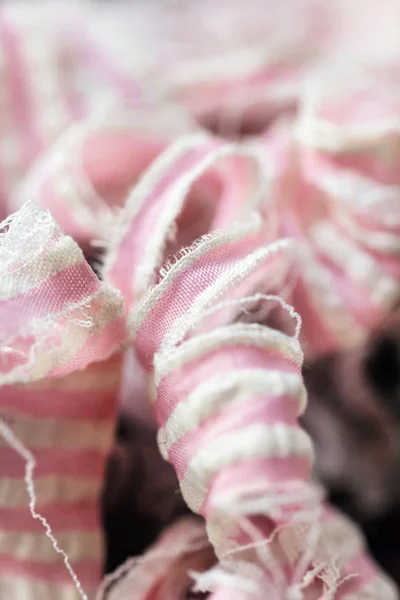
(213, 252)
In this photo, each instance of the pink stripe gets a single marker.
(264, 472)
(55, 461)
(176, 386)
(317, 335)
(79, 516)
(55, 572)
(50, 297)
(368, 164)
(114, 161)
(233, 417)
(185, 288)
(66, 65)
(97, 405)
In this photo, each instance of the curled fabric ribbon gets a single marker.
(199, 184)
(335, 191)
(227, 395)
(84, 177)
(57, 409)
(348, 147)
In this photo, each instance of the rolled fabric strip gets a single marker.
(57, 409)
(227, 395)
(297, 211)
(197, 185)
(336, 193)
(353, 169)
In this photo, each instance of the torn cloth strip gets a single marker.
(164, 572)
(227, 395)
(57, 409)
(335, 190)
(346, 144)
(198, 184)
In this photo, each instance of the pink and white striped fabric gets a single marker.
(335, 191)
(197, 256)
(198, 185)
(85, 176)
(57, 407)
(227, 395)
(349, 157)
(163, 572)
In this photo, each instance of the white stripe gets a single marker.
(23, 588)
(29, 231)
(261, 497)
(357, 264)
(380, 241)
(231, 387)
(358, 192)
(252, 442)
(74, 434)
(78, 545)
(325, 135)
(51, 489)
(250, 334)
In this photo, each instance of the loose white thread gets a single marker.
(30, 465)
(256, 297)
